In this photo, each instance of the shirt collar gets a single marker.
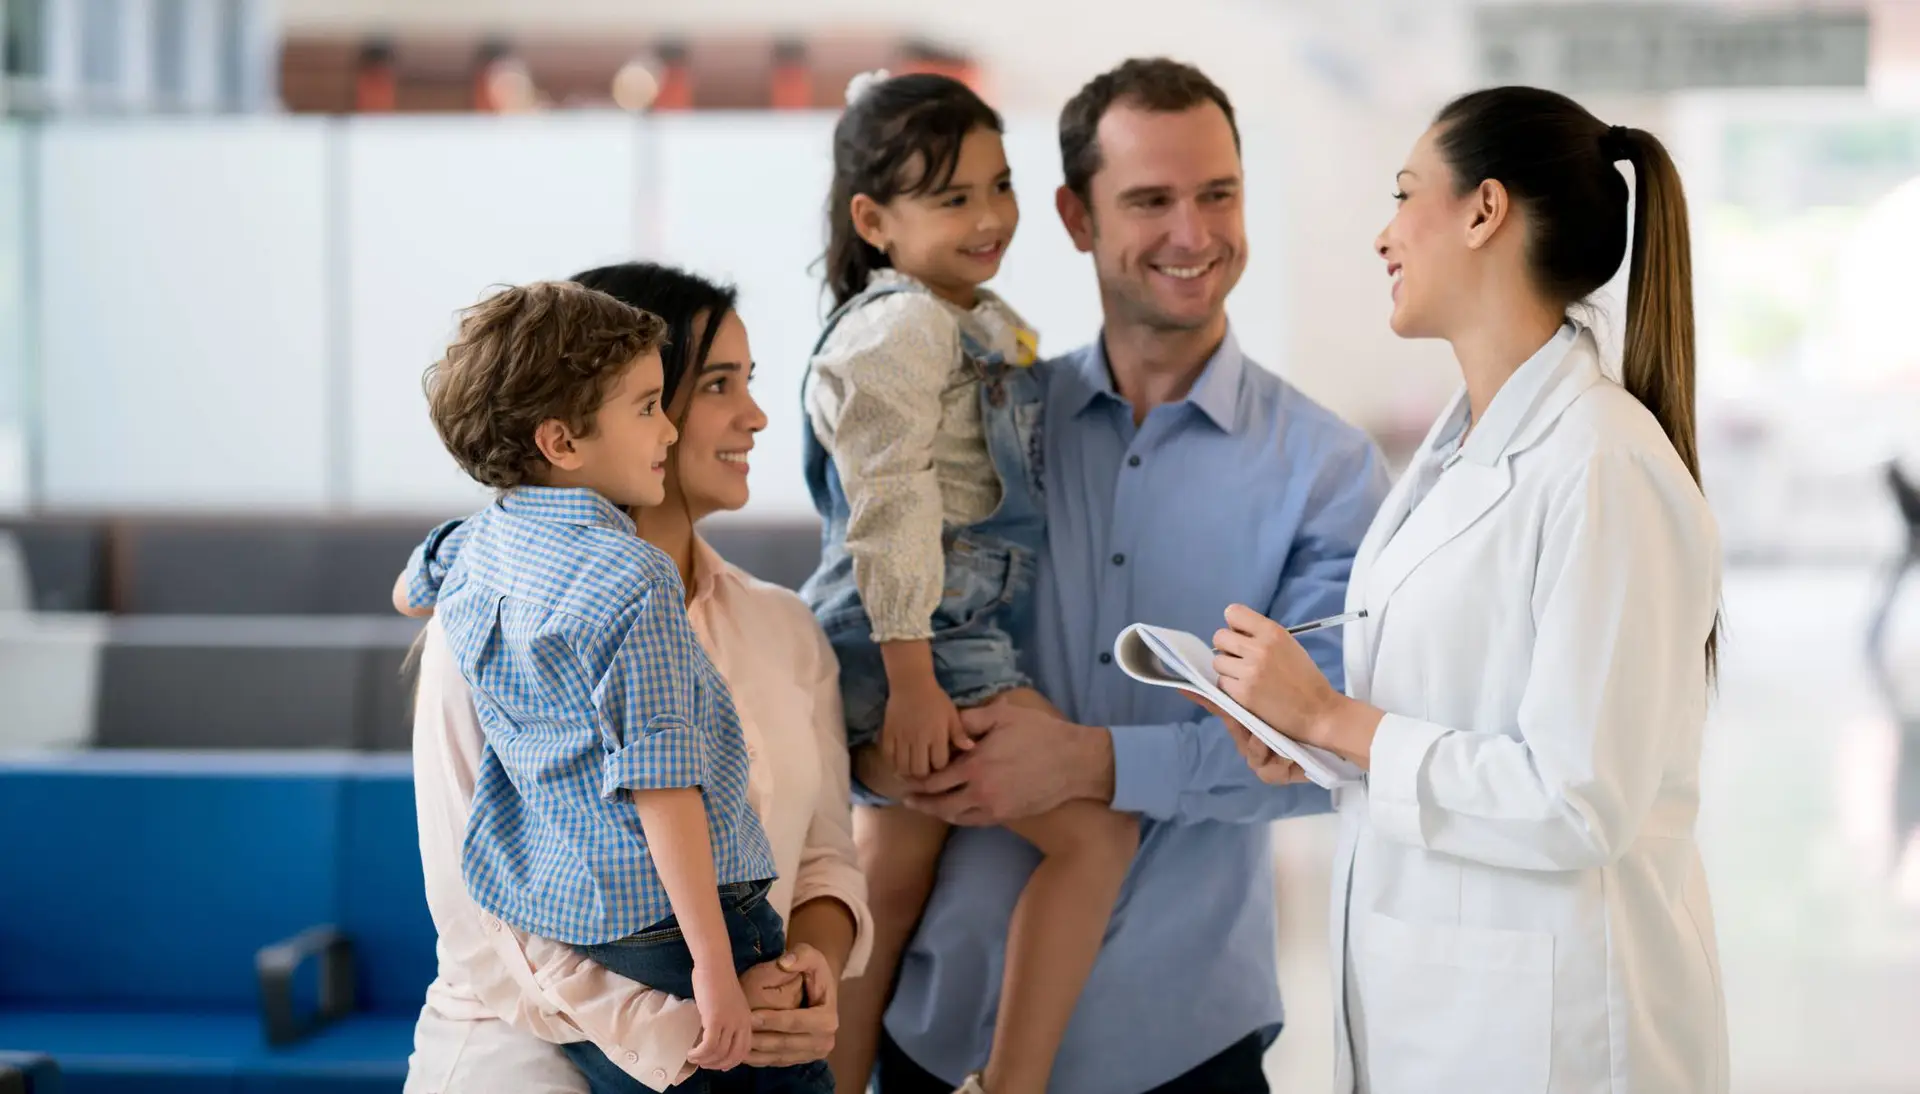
(709, 570)
(574, 505)
(1513, 404)
(1216, 393)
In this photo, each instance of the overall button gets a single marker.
(1133, 461)
(1106, 658)
(1119, 560)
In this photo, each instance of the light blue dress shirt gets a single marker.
(1246, 492)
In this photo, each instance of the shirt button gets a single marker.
(1106, 658)
(1119, 560)
(1133, 461)
(634, 1058)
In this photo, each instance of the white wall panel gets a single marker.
(182, 313)
(436, 210)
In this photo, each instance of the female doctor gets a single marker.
(1519, 903)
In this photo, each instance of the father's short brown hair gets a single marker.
(1153, 84)
(524, 355)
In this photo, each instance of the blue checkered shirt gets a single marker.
(572, 634)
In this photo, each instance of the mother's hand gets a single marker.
(796, 1018)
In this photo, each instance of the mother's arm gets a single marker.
(830, 916)
(830, 893)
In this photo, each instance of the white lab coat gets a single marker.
(1519, 904)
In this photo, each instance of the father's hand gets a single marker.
(1024, 762)
(790, 1035)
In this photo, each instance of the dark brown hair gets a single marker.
(681, 300)
(524, 355)
(900, 138)
(1557, 161)
(1154, 84)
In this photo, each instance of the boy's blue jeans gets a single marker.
(659, 958)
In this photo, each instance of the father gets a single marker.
(1180, 478)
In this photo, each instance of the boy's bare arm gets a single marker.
(675, 822)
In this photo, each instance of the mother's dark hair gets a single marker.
(682, 300)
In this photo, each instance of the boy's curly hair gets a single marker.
(524, 355)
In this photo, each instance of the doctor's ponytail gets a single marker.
(1557, 162)
(1657, 358)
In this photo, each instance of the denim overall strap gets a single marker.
(1010, 407)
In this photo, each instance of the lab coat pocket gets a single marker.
(1456, 1008)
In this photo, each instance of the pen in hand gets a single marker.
(1323, 624)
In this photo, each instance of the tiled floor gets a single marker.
(1811, 832)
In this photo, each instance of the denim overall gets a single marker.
(990, 564)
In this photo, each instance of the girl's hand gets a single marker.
(922, 729)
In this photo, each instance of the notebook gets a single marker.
(1169, 658)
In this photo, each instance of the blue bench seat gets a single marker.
(145, 885)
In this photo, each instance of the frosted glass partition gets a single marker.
(237, 313)
(13, 325)
(704, 219)
(1258, 307)
(435, 210)
(182, 330)
(1043, 276)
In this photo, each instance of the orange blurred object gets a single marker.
(676, 79)
(792, 77)
(926, 58)
(376, 85)
(492, 59)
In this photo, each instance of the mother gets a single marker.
(505, 1003)
(1519, 901)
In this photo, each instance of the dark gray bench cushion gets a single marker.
(783, 552)
(255, 683)
(66, 561)
(262, 567)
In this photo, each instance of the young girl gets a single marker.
(923, 454)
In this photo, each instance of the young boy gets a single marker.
(610, 810)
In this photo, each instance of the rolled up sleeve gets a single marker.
(428, 565)
(668, 756)
(649, 702)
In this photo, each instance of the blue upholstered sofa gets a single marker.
(212, 923)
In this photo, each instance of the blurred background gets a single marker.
(233, 233)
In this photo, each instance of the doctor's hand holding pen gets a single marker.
(1264, 668)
